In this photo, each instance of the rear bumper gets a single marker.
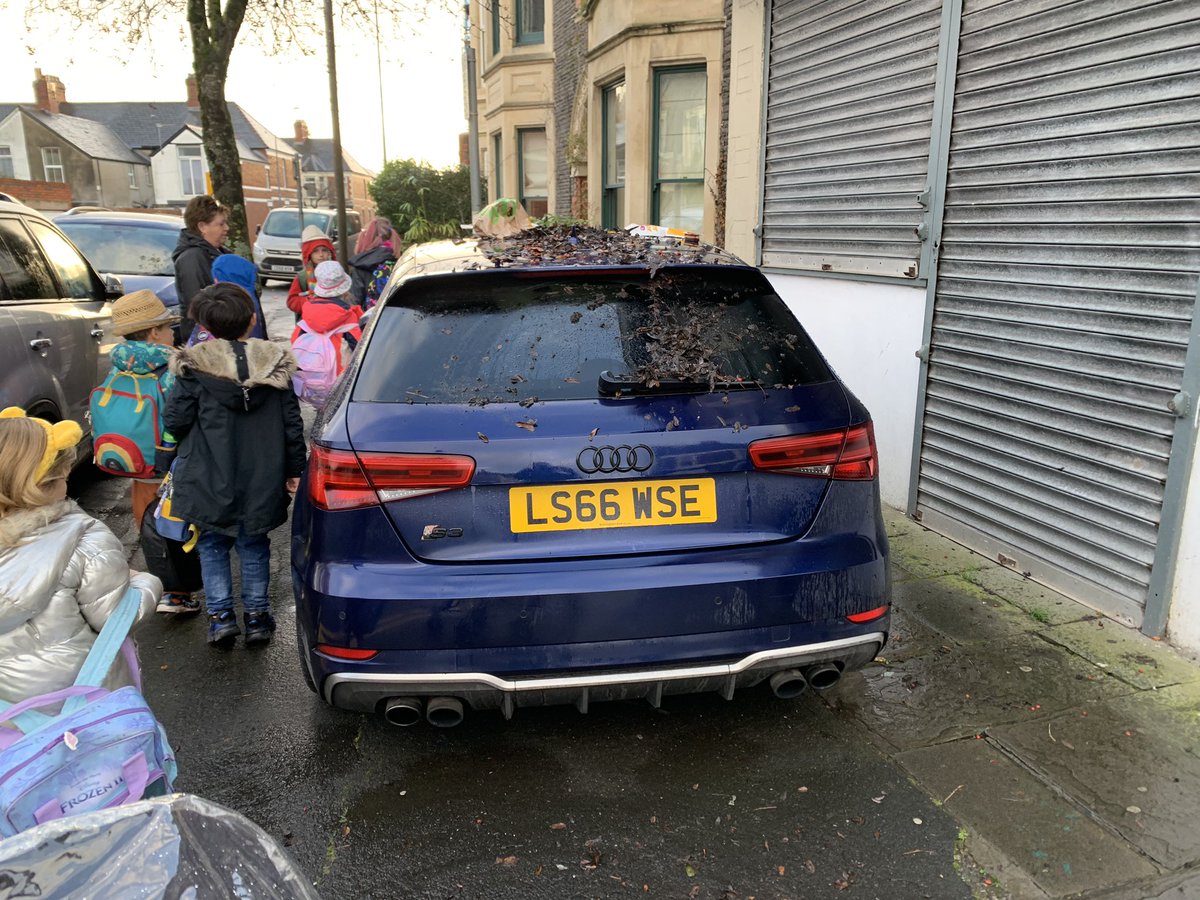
(366, 691)
(573, 631)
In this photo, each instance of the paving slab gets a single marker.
(1125, 653)
(1178, 886)
(930, 690)
(961, 610)
(924, 554)
(1062, 850)
(1126, 763)
(1041, 603)
(1174, 711)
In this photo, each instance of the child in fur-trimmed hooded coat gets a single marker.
(240, 456)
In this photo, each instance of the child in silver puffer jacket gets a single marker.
(62, 573)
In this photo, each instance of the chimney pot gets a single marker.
(301, 128)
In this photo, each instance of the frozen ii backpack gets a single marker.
(104, 749)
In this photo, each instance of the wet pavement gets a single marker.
(1008, 742)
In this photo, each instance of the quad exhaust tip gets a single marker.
(823, 676)
(444, 712)
(788, 684)
(403, 711)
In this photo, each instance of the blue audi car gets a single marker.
(577, 466)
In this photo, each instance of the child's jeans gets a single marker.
(254, 555)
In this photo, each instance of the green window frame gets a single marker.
(531, 21)
(677, 176)
(536, 202)
(495, 27)
(498, 164)
(612, 208)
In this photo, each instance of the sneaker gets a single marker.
(222, 626)
(173, 602)
(259, 627)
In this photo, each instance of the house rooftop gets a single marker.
(93, 138)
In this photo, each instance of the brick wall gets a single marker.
(570, 64)
(50, 196)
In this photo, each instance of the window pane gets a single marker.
(495, 27)
(498, 164)
(52, 169)
(531, 19)
(681, 100)
(281, 223)
(125, 249)
(6, 163)
(22, 267)
(190, 150)
(534, 174)
(73, 272)
(681, 205)
(614, 135)
(459, 339)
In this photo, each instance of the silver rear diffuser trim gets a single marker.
(448, 682)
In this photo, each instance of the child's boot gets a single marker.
(222, 627)
(259, 627)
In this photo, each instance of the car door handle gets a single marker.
(98, 333)
(41, 344)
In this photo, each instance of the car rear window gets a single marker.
(508, 336)
(125, 249)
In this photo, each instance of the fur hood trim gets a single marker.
(270, 364)
(20, 523)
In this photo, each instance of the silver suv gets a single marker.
(54, 319)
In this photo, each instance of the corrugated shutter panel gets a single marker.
(849, 113)
(1066, 287)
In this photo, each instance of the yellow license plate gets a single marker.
(614, 504)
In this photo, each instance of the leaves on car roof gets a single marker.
(584, 245)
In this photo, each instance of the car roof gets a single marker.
(16, 206)
(558, 247)
(108, 217)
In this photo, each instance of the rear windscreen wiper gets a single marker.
(611, 385)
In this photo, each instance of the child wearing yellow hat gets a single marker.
(62, 573)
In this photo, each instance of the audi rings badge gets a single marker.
(638, 458)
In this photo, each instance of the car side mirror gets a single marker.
(257, 230)
(113, 287)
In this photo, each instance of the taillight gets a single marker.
(870, 615)
(847, 454)
(342, 479)
(346, 652)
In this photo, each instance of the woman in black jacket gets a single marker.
(202, 240)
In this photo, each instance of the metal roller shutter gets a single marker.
(848, 120)
(1065, 289)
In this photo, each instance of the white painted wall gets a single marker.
(870, 334)
(12, 134)
(1183, 625)
(168, 186)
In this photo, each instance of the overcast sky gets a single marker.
(422, 81)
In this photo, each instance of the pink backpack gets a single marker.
(317, 358)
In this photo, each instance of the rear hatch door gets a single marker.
(607, 414)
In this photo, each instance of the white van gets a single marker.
(277, 244)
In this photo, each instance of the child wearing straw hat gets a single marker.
(147, 327)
